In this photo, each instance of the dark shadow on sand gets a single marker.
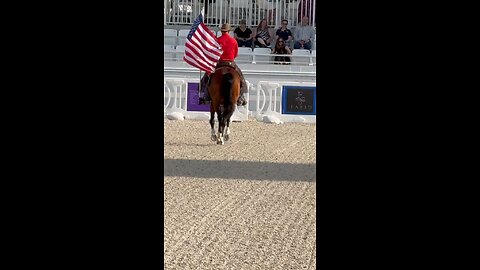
(250, 170)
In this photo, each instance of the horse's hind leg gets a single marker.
(221, 124)
(212, 123)
(227, 129)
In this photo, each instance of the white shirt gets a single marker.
(304, 33)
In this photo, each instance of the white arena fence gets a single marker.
(175, 39)
(276, 102)
(181, 101)
(184, 12)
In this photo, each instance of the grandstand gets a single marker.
(184, 12)
(180, 14)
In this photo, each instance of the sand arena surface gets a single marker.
(248, 204)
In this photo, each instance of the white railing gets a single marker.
(259, 58)
(176, 97)
(269, 102)
(267, 96)
(184, 12)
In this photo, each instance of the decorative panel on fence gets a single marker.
(274, 102)
(181, 101)
(279, 102)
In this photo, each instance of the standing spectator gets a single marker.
(263, 34)
(243, 35)
(280, 48)
(284, 33)
(304, 35)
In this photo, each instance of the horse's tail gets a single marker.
(227, 84)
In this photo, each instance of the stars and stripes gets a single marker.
(202, 49)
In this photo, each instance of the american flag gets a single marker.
(201, 48)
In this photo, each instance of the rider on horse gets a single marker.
(230, 52)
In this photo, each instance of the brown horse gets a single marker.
(224, 91)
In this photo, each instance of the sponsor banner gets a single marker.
(299, 100)
(192, 99)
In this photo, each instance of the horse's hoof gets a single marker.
(214, 137)
(220, 142)
(227, 137)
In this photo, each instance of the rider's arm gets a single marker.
(236, 50)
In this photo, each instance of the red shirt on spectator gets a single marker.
(229, 47)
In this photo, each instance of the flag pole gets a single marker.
(200, 84)
(202, 12)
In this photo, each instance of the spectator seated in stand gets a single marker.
(263, 34)
(284, 33)
(243, 35)
(303, 35)
(280, 48)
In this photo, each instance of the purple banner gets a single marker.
(192, 99)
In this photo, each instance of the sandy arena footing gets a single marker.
(248, 204)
